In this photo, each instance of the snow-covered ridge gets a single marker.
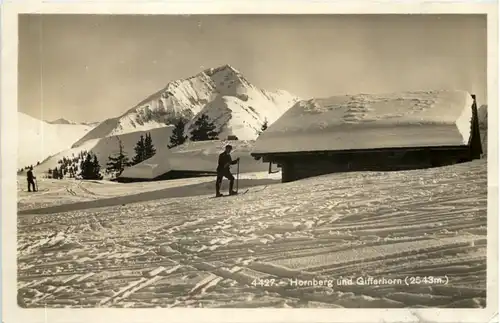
(66, 121)
(37, 140)
(364, 121)
(223, 93)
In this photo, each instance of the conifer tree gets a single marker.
(118, 162)
(55, 173)
(203, 129)
(139, 151)
(149, 148)
(178, 138)
(90, 168)
(86, 167)
(96, 168)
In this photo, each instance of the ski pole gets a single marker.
(36, 185)
(237, 174)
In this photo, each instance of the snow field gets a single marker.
(69, 191)
(198, 252)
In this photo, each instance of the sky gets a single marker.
(88, 68)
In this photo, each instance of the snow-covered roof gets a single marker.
(369, 121)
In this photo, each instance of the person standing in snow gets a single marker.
(223, 170)
(31, 179)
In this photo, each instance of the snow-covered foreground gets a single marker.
(248, 250)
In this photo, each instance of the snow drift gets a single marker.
(236, 106)
(38, 140)
(200, 156)
(366, 121)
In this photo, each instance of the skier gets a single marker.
(223, 170)
(31, 178)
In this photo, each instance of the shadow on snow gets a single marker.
(171, 192)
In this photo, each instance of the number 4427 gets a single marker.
(264, 282)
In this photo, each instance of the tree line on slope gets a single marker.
(86, 164)
(68, 166)
(144, 149)
(203, 130)
(20, 171)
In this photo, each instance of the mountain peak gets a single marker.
(61, 121)
(224, 68)
(225, 77)
(223, 93)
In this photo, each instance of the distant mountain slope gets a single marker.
(223, 93)
(107, 146)
(61, 121)
(38, 140)
(66, 121)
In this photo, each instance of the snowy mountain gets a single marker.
(61, 121)
(38, 139)
(231, 102)
(92, 124)
(236, 106)
(66, 121)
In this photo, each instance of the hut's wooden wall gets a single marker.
(304, 166)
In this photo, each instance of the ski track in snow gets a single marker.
(201, 252)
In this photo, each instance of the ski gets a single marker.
(228, 195)
(42, 190)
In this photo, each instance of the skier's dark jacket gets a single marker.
(224, 162)
(30, 176)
